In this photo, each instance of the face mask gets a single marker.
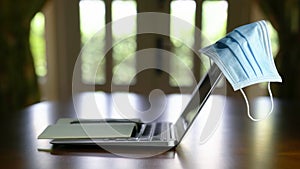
(245, 58)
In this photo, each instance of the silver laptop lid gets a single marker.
(198, 99)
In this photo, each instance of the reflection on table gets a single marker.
(234, 142)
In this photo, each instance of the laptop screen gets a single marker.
(198, 99)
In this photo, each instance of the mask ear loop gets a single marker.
(248, 107)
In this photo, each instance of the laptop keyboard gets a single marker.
(158, 129)
(148, 132)
(155, 131)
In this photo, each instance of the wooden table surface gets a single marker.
(237, 142)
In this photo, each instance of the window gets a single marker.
(92, 23)
(38, 44)
(124, 36)
(274, 39)
(214, 19)
(182, 38)
(214, 22)
(213, 27)
(117, 66)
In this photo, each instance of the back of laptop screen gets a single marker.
(198, 99)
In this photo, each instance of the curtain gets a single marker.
(18, 81)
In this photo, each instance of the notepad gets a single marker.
(89, 130)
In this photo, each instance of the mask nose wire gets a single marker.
(248, 107)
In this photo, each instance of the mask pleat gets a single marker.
(245, 58)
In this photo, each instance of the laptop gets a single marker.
(156, 134)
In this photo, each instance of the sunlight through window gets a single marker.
(182, 37)
(92, 22)
(123, 32)
(274, 39)
(214, 24)
(38, 44)
(214, 19)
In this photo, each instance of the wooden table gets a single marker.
(236, 143)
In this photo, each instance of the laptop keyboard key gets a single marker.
(157, 130)
(147, 131)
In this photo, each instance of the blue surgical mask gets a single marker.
(245, 58)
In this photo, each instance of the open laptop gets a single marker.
(158, 134)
